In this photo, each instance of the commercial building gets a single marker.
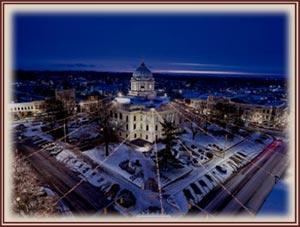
(24, 109)
(262, 115)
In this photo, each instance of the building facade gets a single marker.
(142, 83)
(138, 115)
(88, 105)
(266, 116)
(23, 109)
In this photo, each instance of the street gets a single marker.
(83, 199)
(250, 186)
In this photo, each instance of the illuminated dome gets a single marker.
(142, 73)
(142, 83)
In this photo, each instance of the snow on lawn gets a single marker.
(139, 175)
(97, 154)
(204, 140)
(84, 132)
(200, 138)
(31, 132)
(172, 174)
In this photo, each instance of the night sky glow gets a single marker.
(249, 44)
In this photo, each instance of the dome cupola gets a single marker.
(142, 73)
(142, 83)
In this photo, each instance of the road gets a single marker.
(250, 186)
(84, 199)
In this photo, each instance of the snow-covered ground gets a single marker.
(200, 180)
(205, 166)
(139, 174)
(83, 131)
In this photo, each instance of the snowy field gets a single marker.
(206, 161)
(137, 174)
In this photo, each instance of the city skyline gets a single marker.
(229, 44)
(181, 110)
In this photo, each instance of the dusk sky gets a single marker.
(197, 43)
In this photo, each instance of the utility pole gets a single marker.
(65, 138)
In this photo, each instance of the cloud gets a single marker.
(198, 68)
(193, 64)
(74, 65)
(176, 71)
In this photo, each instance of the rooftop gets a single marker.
(133, 102)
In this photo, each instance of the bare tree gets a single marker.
(104, 118)
(27, 198)
(195, 125)
(57, 116)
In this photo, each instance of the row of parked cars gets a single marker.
(94, 177)
(86, 172)
(52, 148)
(196, 191)
(48, 146)
(200, 155)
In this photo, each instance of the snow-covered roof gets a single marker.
(142, 101)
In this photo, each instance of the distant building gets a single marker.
(89, 105)
(269, 116)
(263, 115)
(34, 108)
(139, 114)
(24, 109)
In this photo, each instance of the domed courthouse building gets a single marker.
(140, 112)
